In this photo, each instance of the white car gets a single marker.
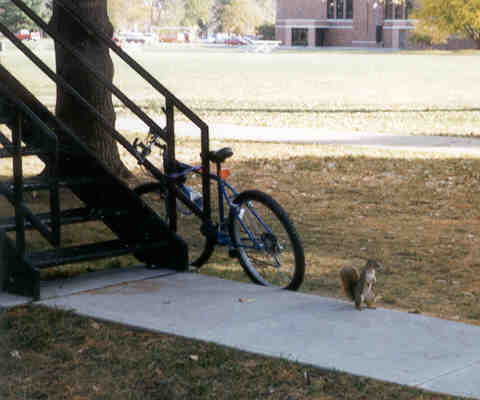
(35, 36)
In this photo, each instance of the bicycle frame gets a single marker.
(245, 227)
(218, 233)
(226, 193)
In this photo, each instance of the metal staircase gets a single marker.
(37, 132)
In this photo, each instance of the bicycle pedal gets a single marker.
(233, 253)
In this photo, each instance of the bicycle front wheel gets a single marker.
(188, 224)
(266, 242)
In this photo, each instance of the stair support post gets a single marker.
(53, 172)
(3, 262)
(171, 200)
(18, 185)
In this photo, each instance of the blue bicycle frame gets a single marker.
(226, 194)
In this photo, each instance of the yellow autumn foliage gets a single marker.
(441, 18)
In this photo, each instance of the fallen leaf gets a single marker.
(246, 300)
(95, 325)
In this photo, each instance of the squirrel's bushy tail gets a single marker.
(349, 277)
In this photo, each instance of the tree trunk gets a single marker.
(70, 110)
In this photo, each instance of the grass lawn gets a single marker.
(391, 92)
(416, 212)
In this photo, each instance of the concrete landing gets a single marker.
(81, 283)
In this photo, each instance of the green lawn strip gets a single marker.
(394, 92)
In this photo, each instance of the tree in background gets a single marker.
(171, 12)
(236, 16)
(68, 108)
(441, 18)
(15, 19)
(241, 16)
(129, 13)
(268, 10)
(198, 12)
(266, 31)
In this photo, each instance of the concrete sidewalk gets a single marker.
(453, 145)
(409, 349)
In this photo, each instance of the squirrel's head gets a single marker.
(373, 264)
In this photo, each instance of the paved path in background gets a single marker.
(447, 144)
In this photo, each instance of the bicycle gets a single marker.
(257, 231)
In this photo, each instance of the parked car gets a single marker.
(235, 42)
(136, 37)
(35, 36)
(23, 34)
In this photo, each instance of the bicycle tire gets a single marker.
(277, 237)
(200, 248)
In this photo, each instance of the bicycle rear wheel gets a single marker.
(188, 226)
(266, 241)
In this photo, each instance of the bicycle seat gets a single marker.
(221, 155)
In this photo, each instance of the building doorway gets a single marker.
(299, 37)
(320, 34)
(379, 34)
(402, 39)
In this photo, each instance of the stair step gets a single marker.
(45, 183)
(36, 184)
(6, 152)
(95, 251)
(67, 217)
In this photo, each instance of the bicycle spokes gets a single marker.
(264, 243)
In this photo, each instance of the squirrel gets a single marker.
(359, 287)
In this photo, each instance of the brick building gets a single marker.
(348, 23)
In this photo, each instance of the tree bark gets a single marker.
(69, 109)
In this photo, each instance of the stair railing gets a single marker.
(172, 102)
(15, 150)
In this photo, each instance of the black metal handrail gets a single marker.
(172, 101)
(21, 211)
(169, 96)
(91, 69)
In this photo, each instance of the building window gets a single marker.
(349, 9)
(299, 37)
(340, 9)
(340, 6)
(331, 9)
(388, 9)
(399, 11)
(408, 8)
